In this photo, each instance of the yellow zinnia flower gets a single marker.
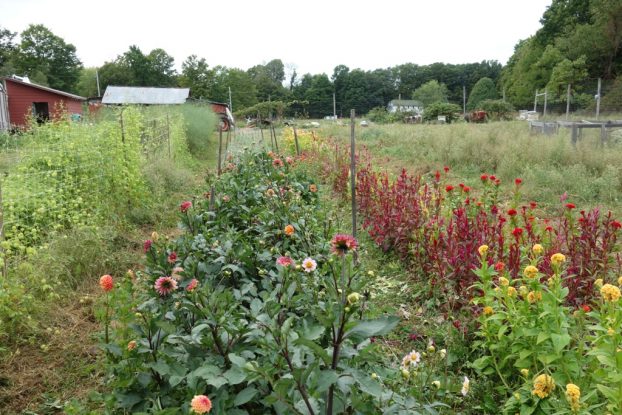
(558, 258)
(610, 293)
(532, 297)
(573, 394)
(599, 282)
(488, 310)
(530, 271)
(504, 281)
(537, 249)
(511, 292)
(483, 250)
(543, 385)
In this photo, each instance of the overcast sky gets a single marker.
(312, 36)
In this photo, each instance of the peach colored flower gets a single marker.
(165, 285)
(201, 404)
(289, 230)
(106, 282)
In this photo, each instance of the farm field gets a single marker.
(467, 289)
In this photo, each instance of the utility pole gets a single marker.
(545, 98)
(99, 94)
(230, 104)
(334, 107)
(464, 99)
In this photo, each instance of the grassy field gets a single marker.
(548, 165)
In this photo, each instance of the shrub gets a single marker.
(497, 109)
(450, 111)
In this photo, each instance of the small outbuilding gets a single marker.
(20, 98)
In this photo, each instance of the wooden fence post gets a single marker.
(168, 135)
(296, 141)
(353, 174)
(276, 144)
(574, 135)
(4, 258)
(219, 151)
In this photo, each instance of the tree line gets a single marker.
(579, 41)
(48, 60)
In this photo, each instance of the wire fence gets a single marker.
(587, 99)
(64, 175)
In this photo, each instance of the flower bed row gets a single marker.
(258, 308)
(437, 227)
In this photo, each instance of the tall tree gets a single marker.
(484, 89)
(430, 93)
(41, 52)
(196, 75)
(87, 83)
(7, 49)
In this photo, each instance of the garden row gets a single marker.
(261, 307)
(543, 293)
(66, 177)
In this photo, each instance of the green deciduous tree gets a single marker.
(430, 93)
(7, 49)
(196, 75)
(87, 83)
(484, 89)
(46, 57)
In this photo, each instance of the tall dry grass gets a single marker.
(591, 174)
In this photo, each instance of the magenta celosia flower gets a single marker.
(285, 261)
(192, 285)
(147, 245)
(185, 206)
(165, 285)
(341, 244)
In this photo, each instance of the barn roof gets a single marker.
(44, 88)
(144, 95)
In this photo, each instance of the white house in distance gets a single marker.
(405, 105)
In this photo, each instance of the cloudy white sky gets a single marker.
(312, 36)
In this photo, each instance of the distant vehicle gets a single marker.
(364, 123)
(477, 116)
(222, 111)
(330, 117)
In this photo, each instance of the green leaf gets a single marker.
(542, 336)
(244, 396)
(216, 382)
(608, 392)
(316, 348)
(560, 341)
(236, 360)
(235, 375)
(369, 385)
(175, 380)
(325, 379)
(371, 328)
(481, 363)
(606, 360)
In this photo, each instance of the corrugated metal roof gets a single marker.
(144, 95)
(45, 88)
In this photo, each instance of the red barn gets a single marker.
(22, 99)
